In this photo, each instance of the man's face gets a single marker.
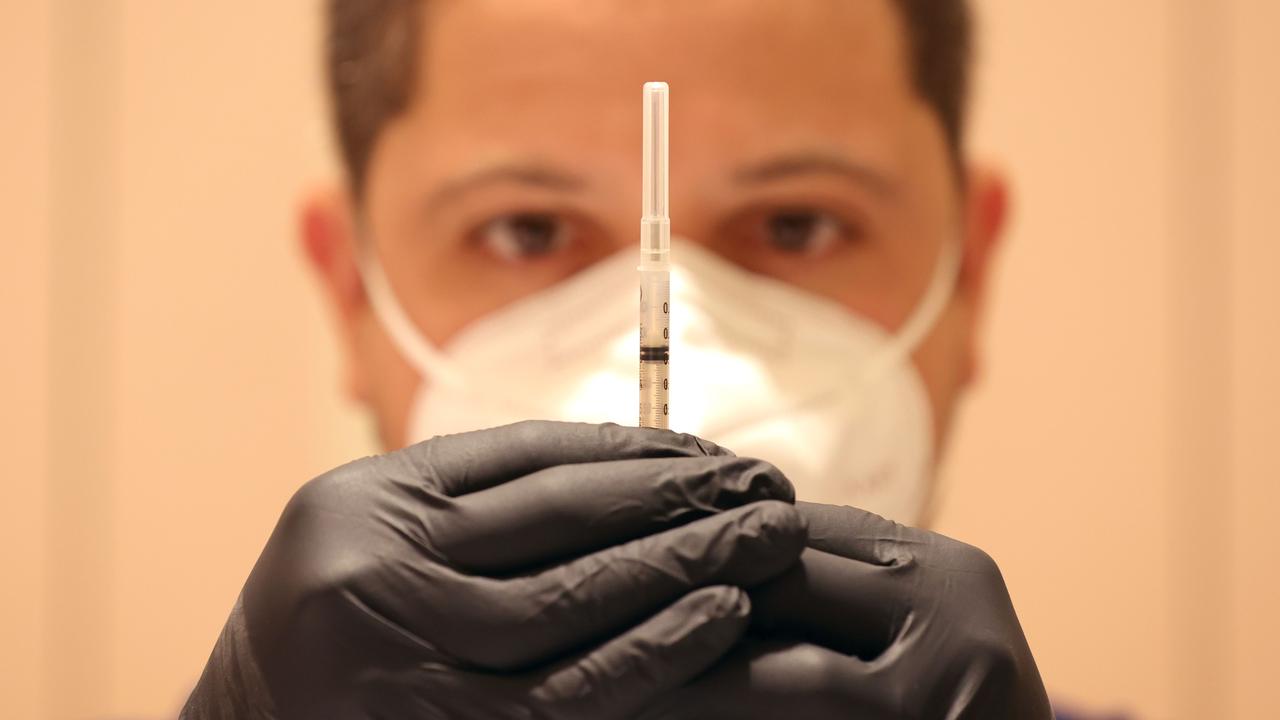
(799, 150)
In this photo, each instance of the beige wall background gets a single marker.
(167, 378)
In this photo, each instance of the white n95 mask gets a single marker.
(758, 366)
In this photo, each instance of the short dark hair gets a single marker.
(371, 63)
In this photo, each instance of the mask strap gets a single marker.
(897, 348)
(405, 336)
(922, 319)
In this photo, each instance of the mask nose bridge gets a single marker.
(597, 306)
(731, 303)
(709, 295)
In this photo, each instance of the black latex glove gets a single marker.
(877, 621)
(536, 570)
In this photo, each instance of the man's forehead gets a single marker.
(556, 84)
(780, 58)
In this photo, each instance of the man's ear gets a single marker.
(326, 229)
(986, 214)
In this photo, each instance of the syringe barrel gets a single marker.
(655, 347)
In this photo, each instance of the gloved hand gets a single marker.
(877, 621)
(536, 570)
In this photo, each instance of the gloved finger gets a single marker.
(652, 659)
(471, 461)
(847, 605)
(858, 534)
(613, 680)
(515, 623)
(568, 511)
(765, 680)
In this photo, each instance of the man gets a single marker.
(480, 264)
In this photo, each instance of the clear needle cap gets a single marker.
(655, 218)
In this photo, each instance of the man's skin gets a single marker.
(783, 114)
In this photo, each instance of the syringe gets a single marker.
(655, 264)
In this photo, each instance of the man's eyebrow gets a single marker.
(527, 174)
(787, 166)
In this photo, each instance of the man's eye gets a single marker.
(802, 232)
(524, 236)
